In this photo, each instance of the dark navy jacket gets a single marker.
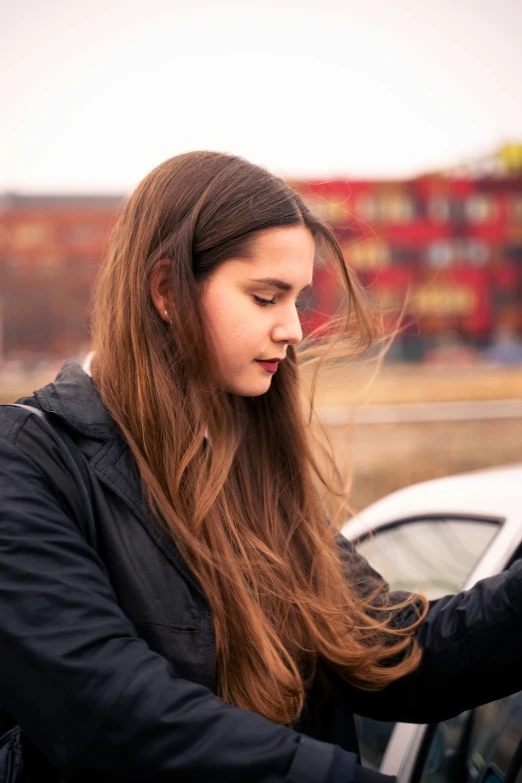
(108, 654)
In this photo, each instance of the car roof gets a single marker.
(492, 492)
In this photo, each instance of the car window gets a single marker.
(477, 746)
(434, 556)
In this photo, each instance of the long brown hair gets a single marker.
(243, 507)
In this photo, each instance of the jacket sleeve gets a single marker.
(86, 689)
(471, 642)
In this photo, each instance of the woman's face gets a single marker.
(250, 311)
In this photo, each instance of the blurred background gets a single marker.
(401, 125)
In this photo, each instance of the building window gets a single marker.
(385, 208)
(513, 253)
(444, 300)
(332, 209)
(397, 208)
(28, 235)
(439, 209)
(445, 253)
(440, 254)
(458, 212)
(83, 233)
(402, 255)
(367, 208)
(515, 209)
(476, 252)
(480, 209)
(367, 255)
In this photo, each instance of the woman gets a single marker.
(218, 630)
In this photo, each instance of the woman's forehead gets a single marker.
(283, 254)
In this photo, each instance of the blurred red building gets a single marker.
(448, 245)
(445, 247)
(50, 251)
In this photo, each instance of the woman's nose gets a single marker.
(288, 330)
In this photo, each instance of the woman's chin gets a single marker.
(250, 389)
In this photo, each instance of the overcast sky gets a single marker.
(94, 93)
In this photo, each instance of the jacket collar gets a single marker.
(73, 397)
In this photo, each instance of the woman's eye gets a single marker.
(263, 302)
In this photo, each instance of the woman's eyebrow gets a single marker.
(276, 283)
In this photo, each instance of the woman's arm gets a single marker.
(472, 647)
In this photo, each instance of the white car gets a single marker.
(440, 537)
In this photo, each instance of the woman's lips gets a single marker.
(270, 366)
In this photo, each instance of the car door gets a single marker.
(433, 554)
(475, 747)
(478, 746)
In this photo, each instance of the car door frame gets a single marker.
(404, 755)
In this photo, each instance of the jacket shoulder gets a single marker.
(28, 453)
(13, 418)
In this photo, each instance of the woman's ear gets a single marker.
(160, 289)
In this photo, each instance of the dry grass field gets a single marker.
(410, 383)
(380, 458)
(386, 457)
(383, 457)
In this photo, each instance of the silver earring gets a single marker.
(169, 319)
